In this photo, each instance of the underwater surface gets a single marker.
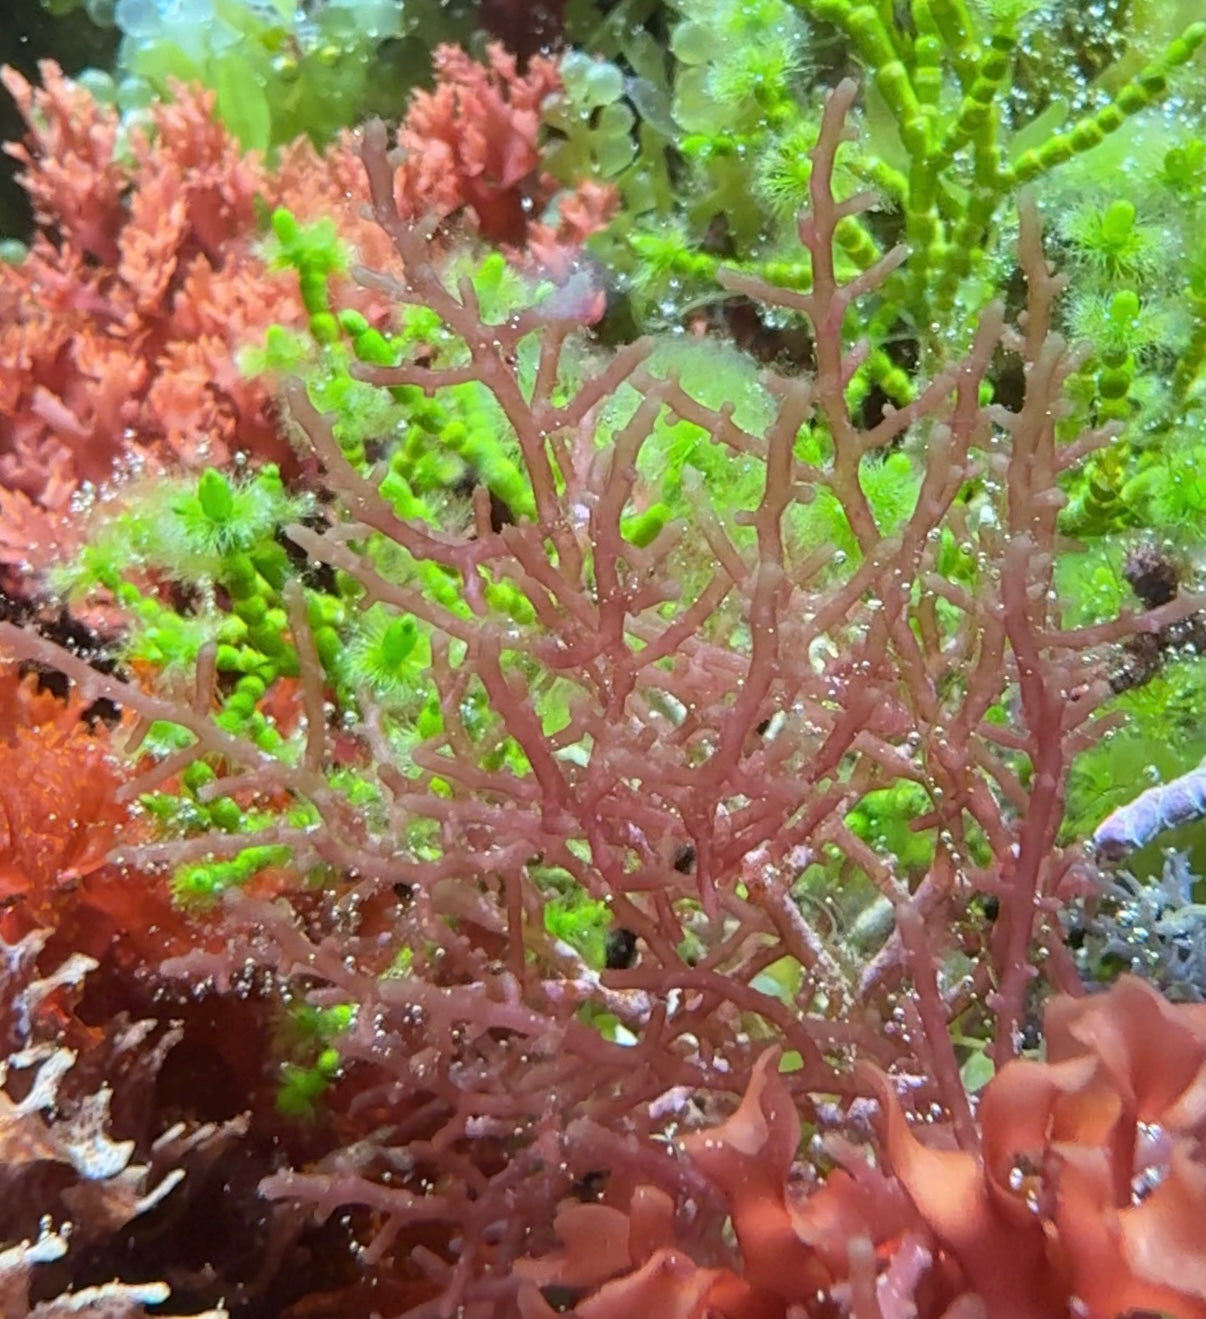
(602, 704)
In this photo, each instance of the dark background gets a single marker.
(29, 34)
